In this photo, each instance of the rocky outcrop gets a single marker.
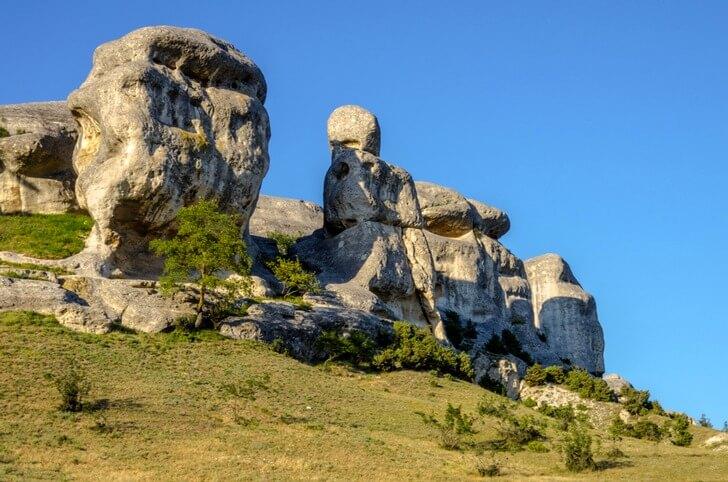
(297, 331)
(166, 116)
(169, 116)
(36, 149)
(565, 313)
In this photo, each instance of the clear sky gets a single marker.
(601, 127)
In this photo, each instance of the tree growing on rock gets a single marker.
(207, 244)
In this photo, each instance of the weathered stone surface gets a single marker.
(504, 370)
(565, 313)
(616, 383)
(49, 298)
(354, 127)
(167, 116)
(135, 304)
(366, 265)
(298, 330)
(361, 187)
(718, 442)
(36, 173)
(444, 210)
(289, 216)
(489, 220)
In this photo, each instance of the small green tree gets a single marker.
(679, 429)
(207, 243)
(704, 421)
(577, 450)
(287, 268)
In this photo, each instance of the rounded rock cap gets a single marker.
(354, 127)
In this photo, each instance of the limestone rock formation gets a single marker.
(488, 220)
(298, 330)
(288, 216)
(167, 116)
(354, 127)
(36, 149)
(565, 313)
(445, 211)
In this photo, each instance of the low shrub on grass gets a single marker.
(577, 450)
(454, 428)
(636, 402)
(516, 432)
(416, 349)
(487, 407)
(73, 386)
(564, 414)
(488, 467)
(678, 429)
(641, 429)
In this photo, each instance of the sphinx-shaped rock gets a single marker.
(36, 149)
(373, 252)
(565, 313)
(167, 116)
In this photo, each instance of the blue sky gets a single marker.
(600, 126)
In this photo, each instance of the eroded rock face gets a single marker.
(283, 215)
(36, 150)
(167, 116)
(565, 313)
(354, 127)
(361, 187)
(444, 210)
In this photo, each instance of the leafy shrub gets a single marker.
(704, 421)
(278, 345)
(487, 467)
(72, 386)
(415, 348)
(284, 242)
(647, 429)
(515, 432)
(453, 428)
(679, 430)
(529, 402)
(295, 278)
(636, 402)
(535, 375)
(507, 343)
(564, 414)
(577, 450)
(642, 429)
(537, 446)
(355, 347)
(538, 375)
(491, 409)
(587, 386)
(4, 132)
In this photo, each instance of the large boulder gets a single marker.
(565, 313)
(488, 220)
(444, 210)
(36, 150)
(354, 127)
(167, 116)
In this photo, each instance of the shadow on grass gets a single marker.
(103, 404)
(612, 464)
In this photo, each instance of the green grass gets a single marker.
(47, 236)
(198, 406)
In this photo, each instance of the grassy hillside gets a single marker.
(178, 406)
(48, 236)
